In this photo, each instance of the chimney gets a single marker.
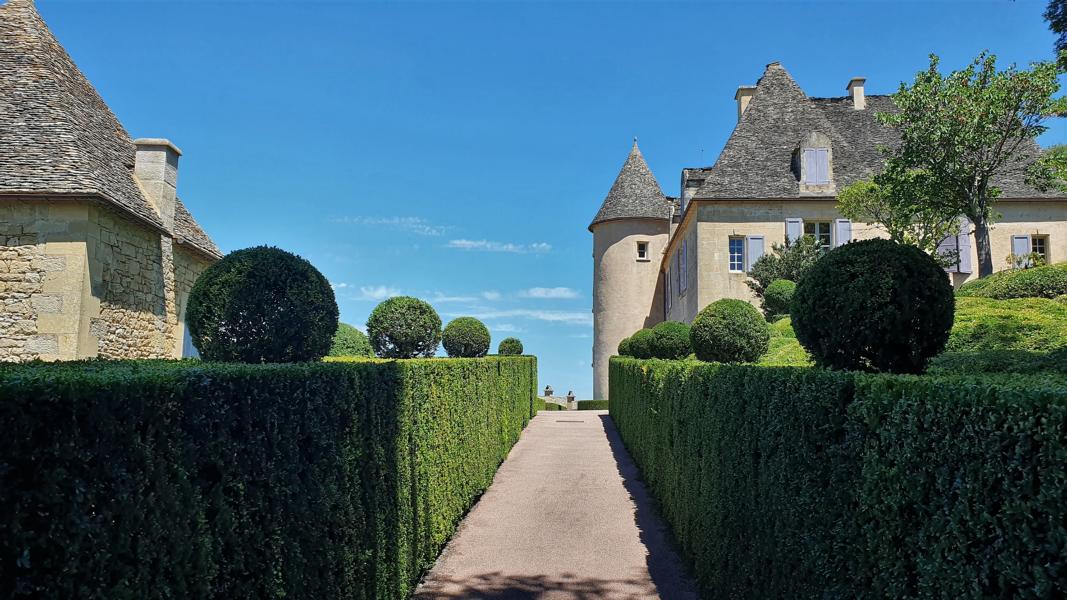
(156, 168)
(744, 96)
(855, 90)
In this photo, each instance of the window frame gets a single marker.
(829, 233)
(683, 264)
(1044, 240)
(643, 245)
(730, 254)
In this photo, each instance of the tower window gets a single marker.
(642, 251)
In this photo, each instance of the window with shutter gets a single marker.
(794, 229)
(843, 235)
(756, 249)
(1020, 249)
(816, 165)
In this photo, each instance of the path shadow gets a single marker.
(665, 566)
(498, 586)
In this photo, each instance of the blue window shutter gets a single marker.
(822, 158)
(964, 245)
(794, 229)
(947, 246)
(809, 165)
(754, 251)
(843, 233)
(1020, 246)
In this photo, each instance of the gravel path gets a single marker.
(565, 519)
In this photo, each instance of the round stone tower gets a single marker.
(630, 233)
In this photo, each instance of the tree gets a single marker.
(785, 261)
(889, 200)
(959, 129)
(1056, 15)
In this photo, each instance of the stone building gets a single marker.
(660, 258)
(97, 252)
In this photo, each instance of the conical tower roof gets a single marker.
(635, 193)
(57, 137)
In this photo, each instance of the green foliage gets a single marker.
(510, 347)
(901, 204)
(592, 405)
(785, 261)
(641, 344)
(157, 479)
(784, 350)
(806, 483)
(624, 348)
(1056, 15)
(349, 341)
(1029, 324)
(777, 297)
(874, 305)
(404, 327)
(262, 305)
(670, 340)
(1048, 281)
(958, 130)
(550, 405)
(466, 337)
(729, 331)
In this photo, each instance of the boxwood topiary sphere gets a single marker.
(349, 341)
(509, 347)
(874, 305)
(466, 337)
(729, 331)
(641, 344)
(404, 327)
(624, 348)
(777, 296)
(262, 305)
(670, 340)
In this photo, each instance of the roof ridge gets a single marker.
(635, 194)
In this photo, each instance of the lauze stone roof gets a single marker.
(57, 136)
(635, 193)
(757, 161)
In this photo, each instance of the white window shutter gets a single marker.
(843, 233)
(964, 245)
(755, 249)
(794, 229)
(822, 166)
(1020, 246)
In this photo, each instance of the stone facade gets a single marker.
(81, 280)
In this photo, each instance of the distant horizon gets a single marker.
(458, 151)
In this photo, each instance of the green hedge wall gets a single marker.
(182, 479)
(804, 483)
(592, 405)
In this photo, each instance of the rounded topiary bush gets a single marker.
(349, 341)
(260, 305)
(624, 348)
(1047, 281)
(641, 344)
(510, 347)
(778, 296)
(670, 340)
(466, 337)
(729, 331)
(874, 305)
(404, 327)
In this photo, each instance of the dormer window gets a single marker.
(816, 166)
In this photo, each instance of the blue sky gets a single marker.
(457, 151)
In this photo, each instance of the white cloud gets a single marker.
(338, 286)
(416, 225)
(491, 295)
(443, 299)
(554, 293)
(491, 246)
(551, 316)
(506, 328)
(377, 292)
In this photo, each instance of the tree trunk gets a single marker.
(981, 243)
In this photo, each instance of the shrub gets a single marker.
(349, 341)
(729, 331)
(404, 327)
(670, 341)
(156, 479)
(874, 305)
(510, 347)
(466, 337)
(1039, 282)
(785, 261)
(847, 485)
(641, 344)
(262, 305)
(777, 297)
(592, 405)
(625, 348)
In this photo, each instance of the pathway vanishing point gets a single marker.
(565, 519)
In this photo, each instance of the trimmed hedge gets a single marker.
(777, 297)
(729, 330)
(404, 327)
(349, 341)
(640, 345)
(542, 405)
(804, 483)
(466, 337)
(592, 405)
(161, 479)
(670, 340)
(1047, 281)
(510, 346)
